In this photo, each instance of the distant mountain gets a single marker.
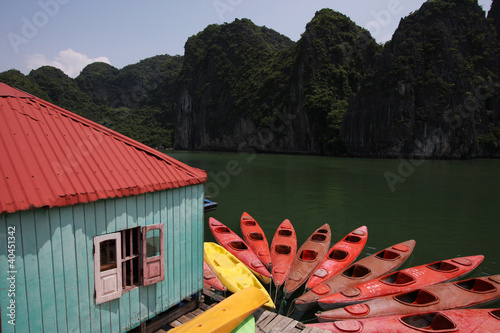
(433, 91)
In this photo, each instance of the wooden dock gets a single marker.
(265, 321)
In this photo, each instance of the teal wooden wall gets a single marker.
(55, 264)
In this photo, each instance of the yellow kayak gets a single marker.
(227, 315)
(233, 274)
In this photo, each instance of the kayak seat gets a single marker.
(257, 236)
(285, 233)
(429, 322)
(476, 285)
(356, 271)
(282, 249)
(496, 314)
(249, 223)
(442, 266)
(318, 237)
(388, 255)
(417, 298)
(222, 230)
(237, 245)
(338, 255)
(398, 278)
(308, 255)
(352, 239)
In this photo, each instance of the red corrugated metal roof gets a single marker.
(50, 157)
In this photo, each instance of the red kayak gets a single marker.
(255, 238)
(458, 321)
(235, 245)
(210, 279)
(340, 256)
(283, 250)
(438, 297)
(308, 258)
(402, 281)
(366, 269)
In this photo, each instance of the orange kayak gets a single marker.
(308, 258)
(237, 247)
(403, 281)
(438, 297)
(210, 279)
(366, 269)
(283, 250)
(255, 238)
(340, 256)
(457, 321)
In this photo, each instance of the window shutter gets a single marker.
(107, 267)
(153, 257)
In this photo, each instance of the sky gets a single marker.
(70, 34)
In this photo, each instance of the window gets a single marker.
(127, 259)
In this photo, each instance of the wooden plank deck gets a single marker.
(265, 321)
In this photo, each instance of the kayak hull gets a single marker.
(308, 258)
(210, 279)
(239, 248)
(226, 315)
(366, 269)
(403, 281)
(231, 272)
(439, 297)
(459, 321)
(255, 238)
(339, 256)
(283, 251)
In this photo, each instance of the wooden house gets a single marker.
(98, 232)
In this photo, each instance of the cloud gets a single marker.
(69, 61)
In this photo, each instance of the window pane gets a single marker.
(108, 254)
(153, 243)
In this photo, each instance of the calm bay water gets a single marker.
(451, 208)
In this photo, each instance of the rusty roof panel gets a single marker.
(51, 157)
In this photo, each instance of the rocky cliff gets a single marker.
(434, 89)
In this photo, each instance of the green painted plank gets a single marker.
(70, 274)
(183, 240)
(31, 273)
(82, 271)
(132, 222)
(121, 224)
(200, 235)
(101, 227)
(58, 264)
(176, 274)
(46, 272)
(19, 296)
(144, 207)
(189, 240)
(169, 248)
(90, 231)
(114, 306)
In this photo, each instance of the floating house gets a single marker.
(98, 232)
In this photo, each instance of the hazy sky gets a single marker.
(69, 34)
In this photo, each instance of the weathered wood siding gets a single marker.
(55, 263)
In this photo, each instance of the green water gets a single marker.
(451, 208)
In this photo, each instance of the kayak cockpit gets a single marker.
(442, 266)
(357, 272)
(352, 239)
(285, 233)
(398, 279)
(237, 245)
(417, 298)
(388, 255)
(429, 322)
(256, 236)
(476, 285)
(308, 255)
(338, 255)
(282, 249)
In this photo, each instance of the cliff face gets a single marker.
(434, 89)
(246, 87)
